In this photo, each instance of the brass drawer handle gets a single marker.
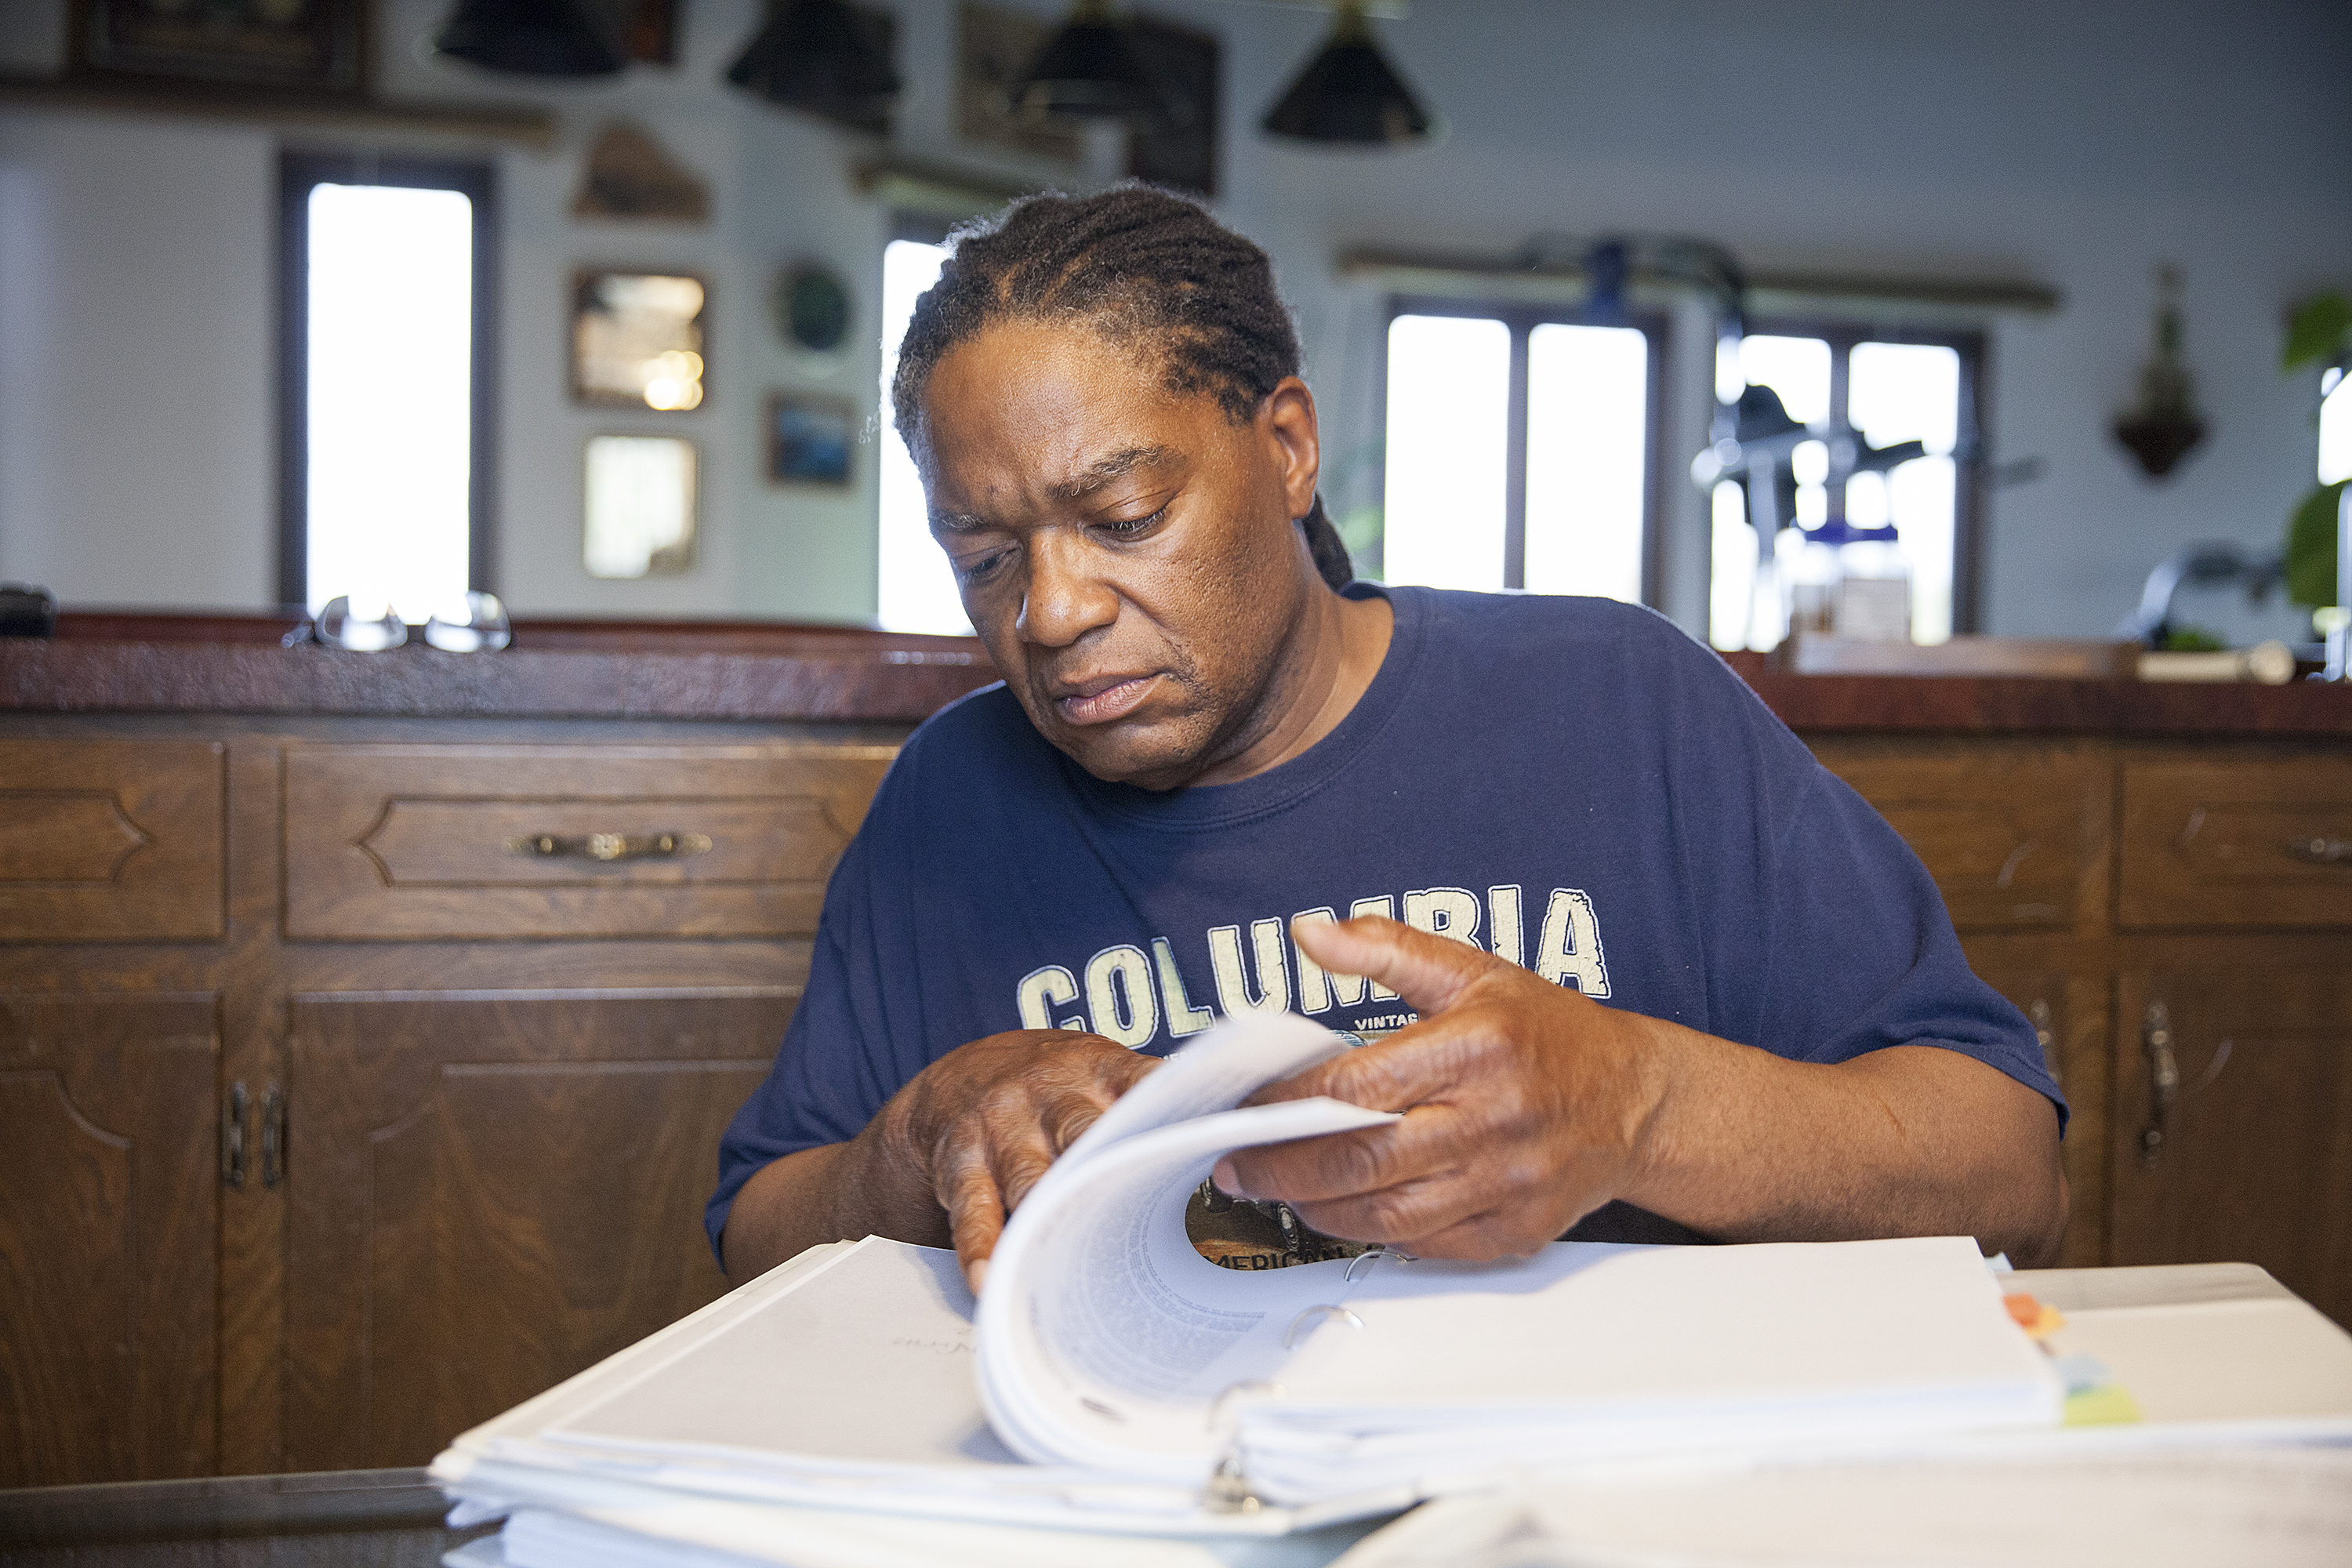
(2319, 851)
(607, 847)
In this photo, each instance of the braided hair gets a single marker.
(1144, 269)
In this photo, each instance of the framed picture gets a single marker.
(316, 47)
(638, 520)
(809, 439)
(637, 339)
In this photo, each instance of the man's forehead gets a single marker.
(1067, 476)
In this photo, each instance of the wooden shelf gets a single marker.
(525, 127)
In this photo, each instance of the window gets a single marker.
(915, 589)
(1857, 392)
(385, 322)
(2334, 426)
(1520, 450)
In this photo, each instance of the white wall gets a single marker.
(2078, 144)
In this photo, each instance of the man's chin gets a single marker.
(1143, 756)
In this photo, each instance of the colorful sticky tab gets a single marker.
(2081, 1373)
(2109, 1404)
(2038, 1320)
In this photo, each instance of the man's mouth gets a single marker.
(1100, 702)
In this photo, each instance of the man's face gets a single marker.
(1128, 554)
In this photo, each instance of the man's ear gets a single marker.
(1286, 420)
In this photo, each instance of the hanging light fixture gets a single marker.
(1348, 95)
(1088, 70)
(827, 58)
(527, 38)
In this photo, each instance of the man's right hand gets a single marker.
(950, 1155)
(985, 1121)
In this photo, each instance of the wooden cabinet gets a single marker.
(492, 1191)
(2234, 1111)
(109, 1337)
(362, 1077)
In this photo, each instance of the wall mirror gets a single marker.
(637, 339)
(640, 505)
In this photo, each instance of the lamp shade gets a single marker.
(827, 58)
(527, 38)
(1088, 70)
(1349, 95)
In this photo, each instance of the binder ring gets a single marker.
(1378, 1249)
(1290, 1335)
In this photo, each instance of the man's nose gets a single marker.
(1065, 598)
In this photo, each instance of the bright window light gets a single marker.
(1588, 414)
(1911, 391)
(2335, 433)
(915, 589)
(389, 415)
(1796, 368)
(1448, 425)
(1732, 583)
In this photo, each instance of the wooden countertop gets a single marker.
(124, 663)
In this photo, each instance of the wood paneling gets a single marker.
(111, 840)
(2014, 834)
(492, 1192)
(2248, 840)
(2251, 1157)
(434, 841)
(107, 1237)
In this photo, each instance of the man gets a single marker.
(1659, 975)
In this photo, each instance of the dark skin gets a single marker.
(1130, 557)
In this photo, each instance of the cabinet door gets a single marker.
(2069, 1014)
(491, 1191)
(2233, 1123)
(106, 1207)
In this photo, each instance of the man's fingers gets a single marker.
(975, 1214)
(1428, 972)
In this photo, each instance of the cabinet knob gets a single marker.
(2164, 1080)
(231, 1136)
(608, 848)
(2318, 851)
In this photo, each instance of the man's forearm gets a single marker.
(835, 1192)
(1911, 1139)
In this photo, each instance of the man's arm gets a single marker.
(945, 1160)
(1528, 1106)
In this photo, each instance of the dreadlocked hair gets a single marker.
(1144, 269)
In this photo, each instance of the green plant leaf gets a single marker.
(2311, 547)
(2319, 332)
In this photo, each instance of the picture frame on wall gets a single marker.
(637, 339)
(811, 439)
(313, 48)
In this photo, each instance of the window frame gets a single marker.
(298, 171)
(1973, 345)
(1520, 318)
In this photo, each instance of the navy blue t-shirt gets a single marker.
(1573, 783)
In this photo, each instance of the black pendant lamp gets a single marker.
(527, 38)
(1348, 95)
(1088, 70)
(825, 57)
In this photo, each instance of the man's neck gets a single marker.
(1343, 643)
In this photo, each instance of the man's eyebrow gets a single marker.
(1117, 465)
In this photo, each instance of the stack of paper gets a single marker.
(1116, 1379)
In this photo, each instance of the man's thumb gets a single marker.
(1428, 972)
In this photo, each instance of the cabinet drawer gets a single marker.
(454, 841)
(111, 840)
(2238, 841)
(2014, 836)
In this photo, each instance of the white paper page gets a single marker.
(1102, 1323)
(2280, 1508)
(2274, 1360)
(1216, 1072)
(869, 1362)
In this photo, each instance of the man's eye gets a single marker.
(1129, 527)
(978, 568)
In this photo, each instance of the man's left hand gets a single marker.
(1526, 1105)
